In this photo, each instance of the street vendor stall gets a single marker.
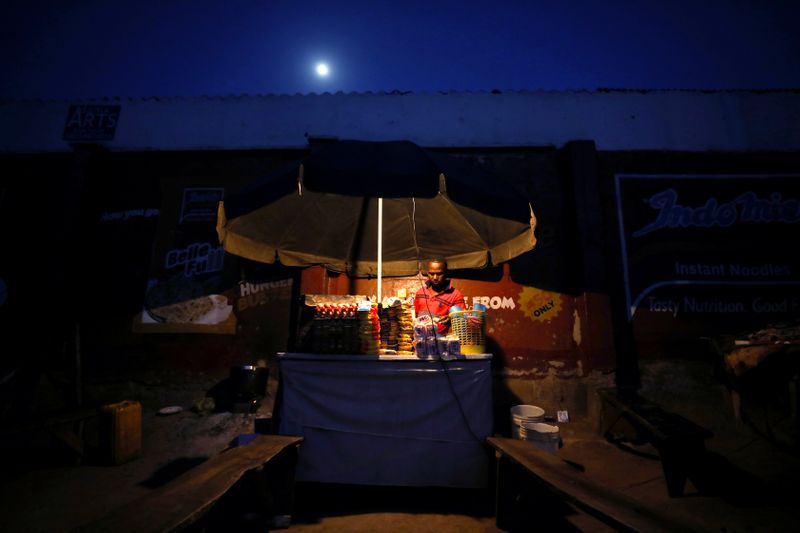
(374, 407)
(382, 399)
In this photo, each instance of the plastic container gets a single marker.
(120, 435)
(453, 345)
(546, 437)
(524, 413)
(470, 328)
(248, 382)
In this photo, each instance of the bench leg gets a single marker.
(71, 434)
(514, 502)
(736, 405)
(675, 473)
(261, 500)
(523, 503)
(679, 462)
(280, 481)
(505, 492)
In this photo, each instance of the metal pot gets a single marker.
(248, 382)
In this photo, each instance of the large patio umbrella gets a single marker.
(377, 209)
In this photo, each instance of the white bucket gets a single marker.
(546, 437)
(524, 413)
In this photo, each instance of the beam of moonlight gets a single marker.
(322, 70)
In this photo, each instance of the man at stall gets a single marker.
(438, 295)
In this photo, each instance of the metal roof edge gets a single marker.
(395, 92)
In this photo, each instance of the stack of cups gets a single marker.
(524, 413)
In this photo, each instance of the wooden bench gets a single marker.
(679, 441)
(519, 463)
(67, 427)
(184, 500)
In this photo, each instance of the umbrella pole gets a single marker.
(380, 246)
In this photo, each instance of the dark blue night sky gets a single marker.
(102, 48)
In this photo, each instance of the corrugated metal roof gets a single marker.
(395, 92)
(616, 119)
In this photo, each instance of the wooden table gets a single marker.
(66, 426)
(741, 359)
(519, 463)
(187, 498)
(679, 441)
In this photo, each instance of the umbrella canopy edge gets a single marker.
(520, 244)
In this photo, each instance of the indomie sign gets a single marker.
(710, 252)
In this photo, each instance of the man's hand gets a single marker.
(445, 320)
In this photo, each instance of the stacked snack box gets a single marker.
(428, 343)
(390, 327)
(405, 337)
(425, 334)
(369, 327)
(357, 325)
(451, 346)
(397, 326)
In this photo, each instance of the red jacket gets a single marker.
(438, 303)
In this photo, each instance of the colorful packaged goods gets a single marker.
(336, 329)
(405, 335)
(368, 328)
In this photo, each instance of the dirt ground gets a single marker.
(750, 483)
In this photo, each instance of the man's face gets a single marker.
(437, 273)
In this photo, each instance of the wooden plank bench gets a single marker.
(184, 500)
(66, 426)
(679, 441)
(519, 463)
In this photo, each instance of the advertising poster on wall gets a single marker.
(709, 253)
(262, 303)
(192, 284)
(123, 215)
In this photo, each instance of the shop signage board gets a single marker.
(91, 122)
(200, 204)
(713, 251)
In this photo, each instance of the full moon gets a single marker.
(322, 70)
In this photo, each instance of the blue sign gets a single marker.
(715, 251)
